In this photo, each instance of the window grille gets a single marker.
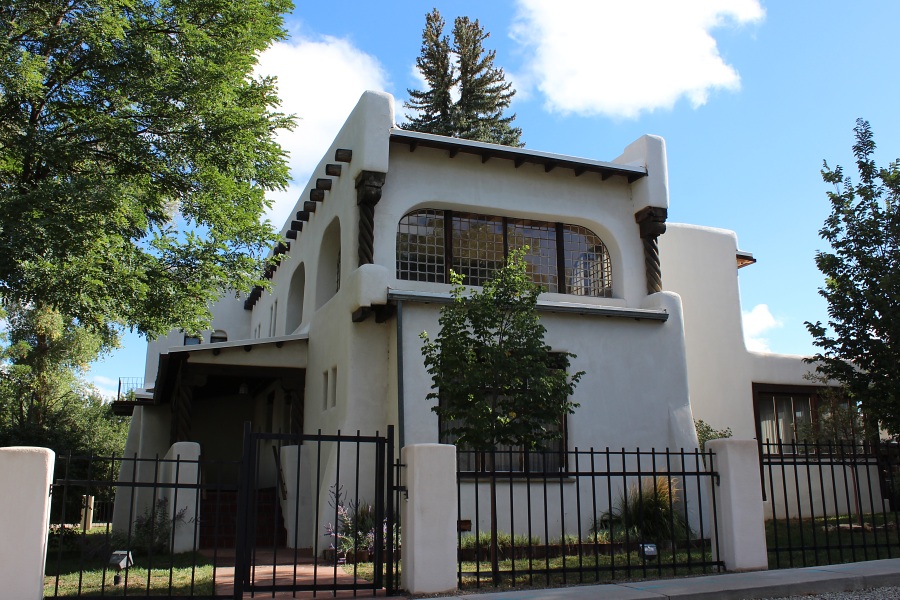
(420, 247)
(562, 258)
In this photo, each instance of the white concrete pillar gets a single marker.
(182, 500)
(25, 478)
(741, 522)
(429, 519)
(298, 506)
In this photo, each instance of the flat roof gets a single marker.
(518, 156)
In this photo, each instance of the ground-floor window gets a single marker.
(787, 416)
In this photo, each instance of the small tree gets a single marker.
(468, 68)
(492, 376)
(862, 284)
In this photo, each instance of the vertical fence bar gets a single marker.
(579, 540)
(826, 528)
(800, 527)
(317, 513)
(174, 509)
(714, 483)
(240, 551)
(378, 579)
(337, 502)
(389, 545)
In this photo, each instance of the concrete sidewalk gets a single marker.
(728, 586)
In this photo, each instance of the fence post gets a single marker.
(740, 529)
(26, 475)
(429, 519)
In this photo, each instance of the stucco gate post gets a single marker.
(740, 529)
(429, 519)
(25, 478)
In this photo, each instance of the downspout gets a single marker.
(400, 404)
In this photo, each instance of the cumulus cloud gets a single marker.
(319, 80)
(757, 322)
(619, 59)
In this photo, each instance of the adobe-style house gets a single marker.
(334, 345)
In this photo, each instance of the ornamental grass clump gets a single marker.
(653, 509)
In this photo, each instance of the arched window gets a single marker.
(563, 258)
(296, 296)
(328, 271)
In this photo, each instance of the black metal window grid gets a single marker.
(563, 258)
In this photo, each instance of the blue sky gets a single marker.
(750, 96)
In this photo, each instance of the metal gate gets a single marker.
(316, 513)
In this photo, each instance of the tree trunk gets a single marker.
(495, 563)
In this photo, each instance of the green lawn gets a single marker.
(81, 562)
(831, 540)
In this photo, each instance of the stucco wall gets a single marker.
(699, 263)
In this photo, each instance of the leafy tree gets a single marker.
(43, 399)
(468, 68)
(858, 347)
(136, 149)
(493, 377)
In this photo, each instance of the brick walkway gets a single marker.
(286, 572)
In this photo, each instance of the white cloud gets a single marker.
(106, 386)
(619, 59)
(319, 80)
(757, 322)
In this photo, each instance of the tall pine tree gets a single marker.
(468, 68)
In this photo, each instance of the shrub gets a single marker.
(653, 509)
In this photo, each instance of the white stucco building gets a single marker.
(335, 344)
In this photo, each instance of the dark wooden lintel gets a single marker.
(633, 178)
(361, 314)
(413, 146)
(549, 167)
(344, 155)
(485, 158)
(317, 195)
(579, 171)
(291, 234)
(248, 348)
(323, 183)
(333, 170)
(309, 206)
(279, 344)
(605, 175)
(519, 162)
(454, 152)
(303, 215)
(297, 225)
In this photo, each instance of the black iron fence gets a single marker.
(148, 537)
(298, 513)
(600, 515)
(339, 530)
(830, 503)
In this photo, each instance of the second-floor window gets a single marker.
(563, 258)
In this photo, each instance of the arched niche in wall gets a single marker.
(328, 271)
(296, 295)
